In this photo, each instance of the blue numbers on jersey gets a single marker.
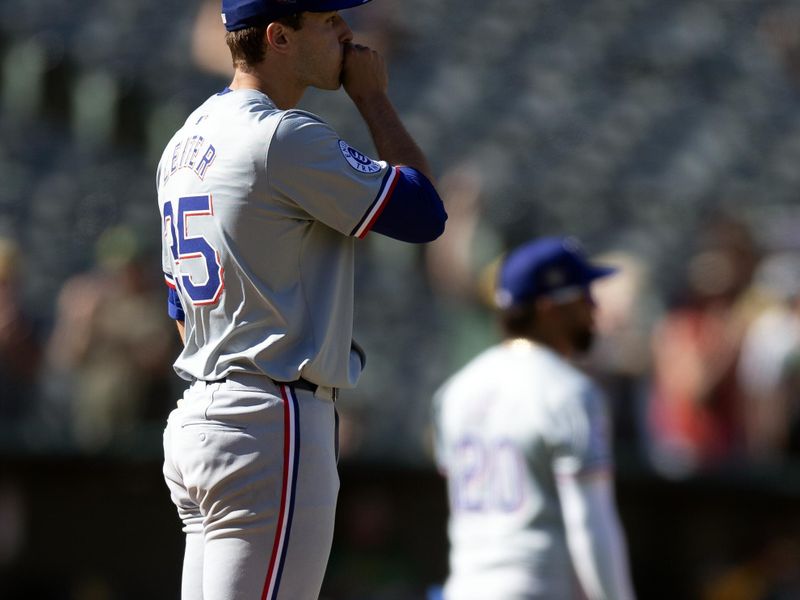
(202, 289)
(487, 476)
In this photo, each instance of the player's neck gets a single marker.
(284, 95)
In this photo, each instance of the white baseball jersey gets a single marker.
(507, 424)
(261, 208)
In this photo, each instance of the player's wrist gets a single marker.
(375, 107)
(369, 100)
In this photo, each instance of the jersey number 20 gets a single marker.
(186, 247)
(487, 476)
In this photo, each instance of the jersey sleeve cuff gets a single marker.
(376, 208)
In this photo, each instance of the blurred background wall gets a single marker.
(664, 134)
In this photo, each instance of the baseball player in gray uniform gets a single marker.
(523, 439)
(261, 206)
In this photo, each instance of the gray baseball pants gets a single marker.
(251, 466)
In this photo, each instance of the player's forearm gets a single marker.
(392, 141)
(181, 331)
(595, 538)
(601, 563)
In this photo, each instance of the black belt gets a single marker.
(303, 384)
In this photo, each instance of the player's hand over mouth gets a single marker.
(364, 72)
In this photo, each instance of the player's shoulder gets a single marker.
(303, 136)
(525, 357)
(489, 360)
(571, 375)
(547, 375)
(551, 364)
(240, 111)
(570, 390)
(489, 364)
(301, 125)
(296, 116)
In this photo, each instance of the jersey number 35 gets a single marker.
(198, 269)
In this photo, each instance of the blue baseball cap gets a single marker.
(238, 14)
(553, 266)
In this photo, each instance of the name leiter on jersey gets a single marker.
(185, 153)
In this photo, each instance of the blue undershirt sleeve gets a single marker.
(414, 213)
(174, 308)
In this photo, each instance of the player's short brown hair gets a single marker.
(247, 45)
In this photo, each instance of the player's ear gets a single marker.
(277, 37)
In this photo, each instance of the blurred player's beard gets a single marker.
(582, 339)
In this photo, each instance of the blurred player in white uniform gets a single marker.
(261, 206)
(523, 439)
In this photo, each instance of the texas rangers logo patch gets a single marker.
(358, 161)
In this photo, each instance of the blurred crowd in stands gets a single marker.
(666, 135)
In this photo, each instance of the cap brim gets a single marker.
(255, 13)
(598, 272)
(331, 5)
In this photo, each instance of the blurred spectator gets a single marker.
(20, 347)
(451, 258)
(766, 362)
(781, 26)
(620, 360)
(789, 394)
(109, 343)
(209, 51)
(461, 265)
(695, 414)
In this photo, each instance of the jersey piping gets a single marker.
(291, 455)
(374, 211)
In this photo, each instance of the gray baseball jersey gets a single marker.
(507, 425)
(261, 208)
